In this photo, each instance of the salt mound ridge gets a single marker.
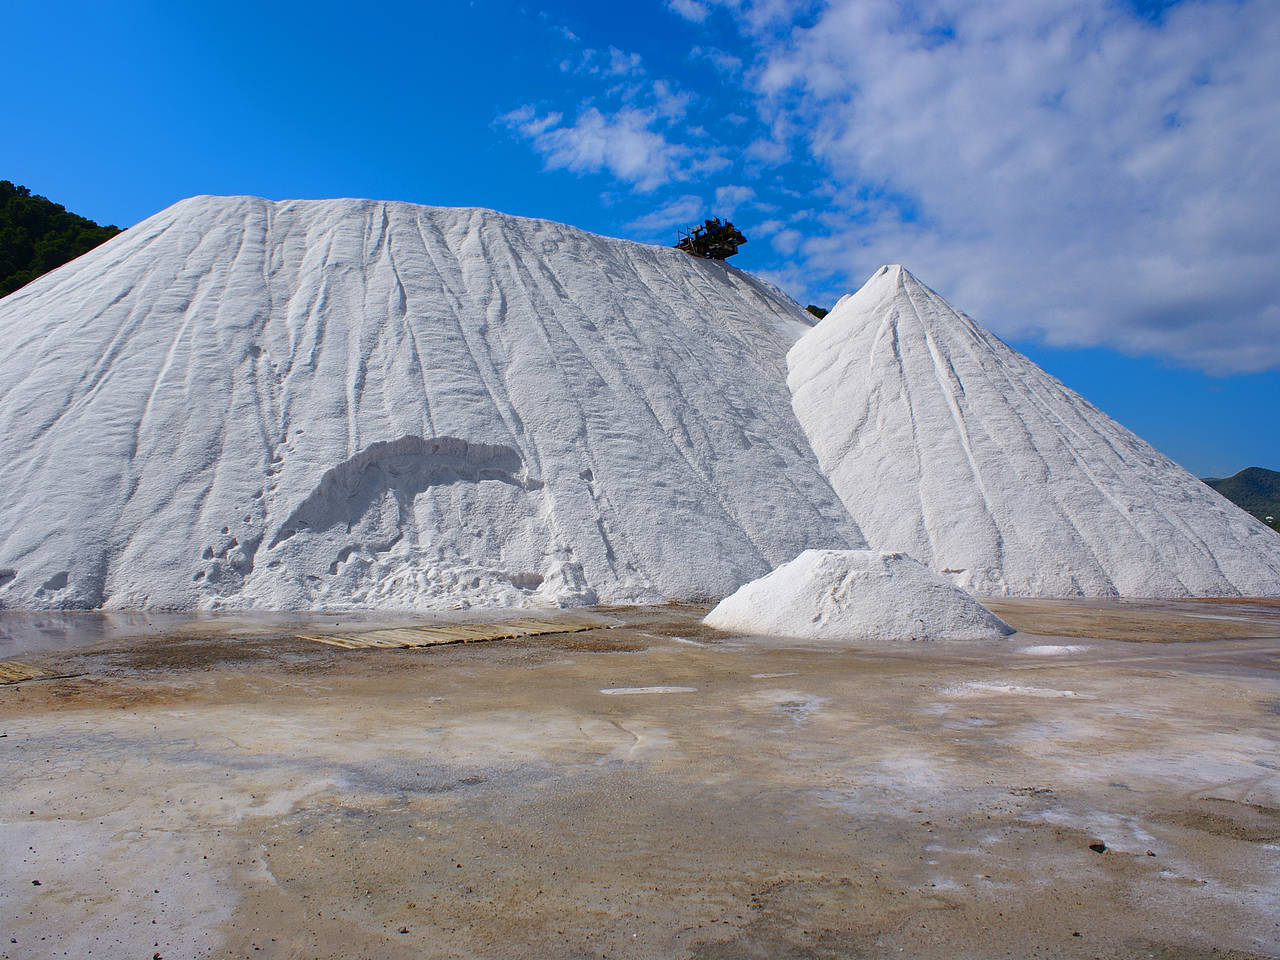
(240, 403)
(856, 595)
(945, 443)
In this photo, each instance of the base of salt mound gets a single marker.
(856, 595)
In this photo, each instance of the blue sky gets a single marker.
(1096, 181)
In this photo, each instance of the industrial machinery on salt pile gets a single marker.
(712, 239)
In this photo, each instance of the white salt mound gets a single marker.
(856, 595)
(947, 444)
(240, 403)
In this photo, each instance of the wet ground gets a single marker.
(1106, 783)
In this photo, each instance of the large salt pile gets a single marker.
(242, 403)
(324, 403)
(856, 595)
(945, 443)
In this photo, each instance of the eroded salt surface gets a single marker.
(948, 445)
(856, 595)
(240, 403)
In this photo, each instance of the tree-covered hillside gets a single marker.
(37, 235)
(1254, 490)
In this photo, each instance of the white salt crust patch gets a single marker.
(983, 688)
(1053, 650)
(630, 691)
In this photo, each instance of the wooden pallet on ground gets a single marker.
(11, 671)
(401, 637)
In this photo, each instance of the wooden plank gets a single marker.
(11, 671)
(424, 636)
(433, 632)
(332, 641)
(480, 632)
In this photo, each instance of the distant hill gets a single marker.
(1254, 490)
(37, 235)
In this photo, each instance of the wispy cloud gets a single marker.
(626, 143)
(694, 10)
(632, 127)
(787, 241)
(766, 151)
(668, 102)
(677, 213)
(622, 64)
(722, 60)
(614, 62)
(730, 197)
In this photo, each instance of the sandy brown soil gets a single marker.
(219, 789)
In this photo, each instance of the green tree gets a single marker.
(38, 235)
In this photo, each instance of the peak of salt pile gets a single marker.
(856, 595)
(947, 444)
(242, 403)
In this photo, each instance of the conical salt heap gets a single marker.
(851, 595)
(948, 445)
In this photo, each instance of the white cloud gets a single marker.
(723, 61)
(787, 277)
(622, 64)
(669, 103)
(624, 144)
(764, 15)
(787, 241)
(693, 10)
(677, 213)
(730, 198)
(1061, 168)
(629, 126)
(586, 65)
(613, 62)
(766, 151)
(526, 120)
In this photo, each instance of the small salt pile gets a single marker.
(856, 595)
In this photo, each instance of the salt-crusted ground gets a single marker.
(657, 790)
